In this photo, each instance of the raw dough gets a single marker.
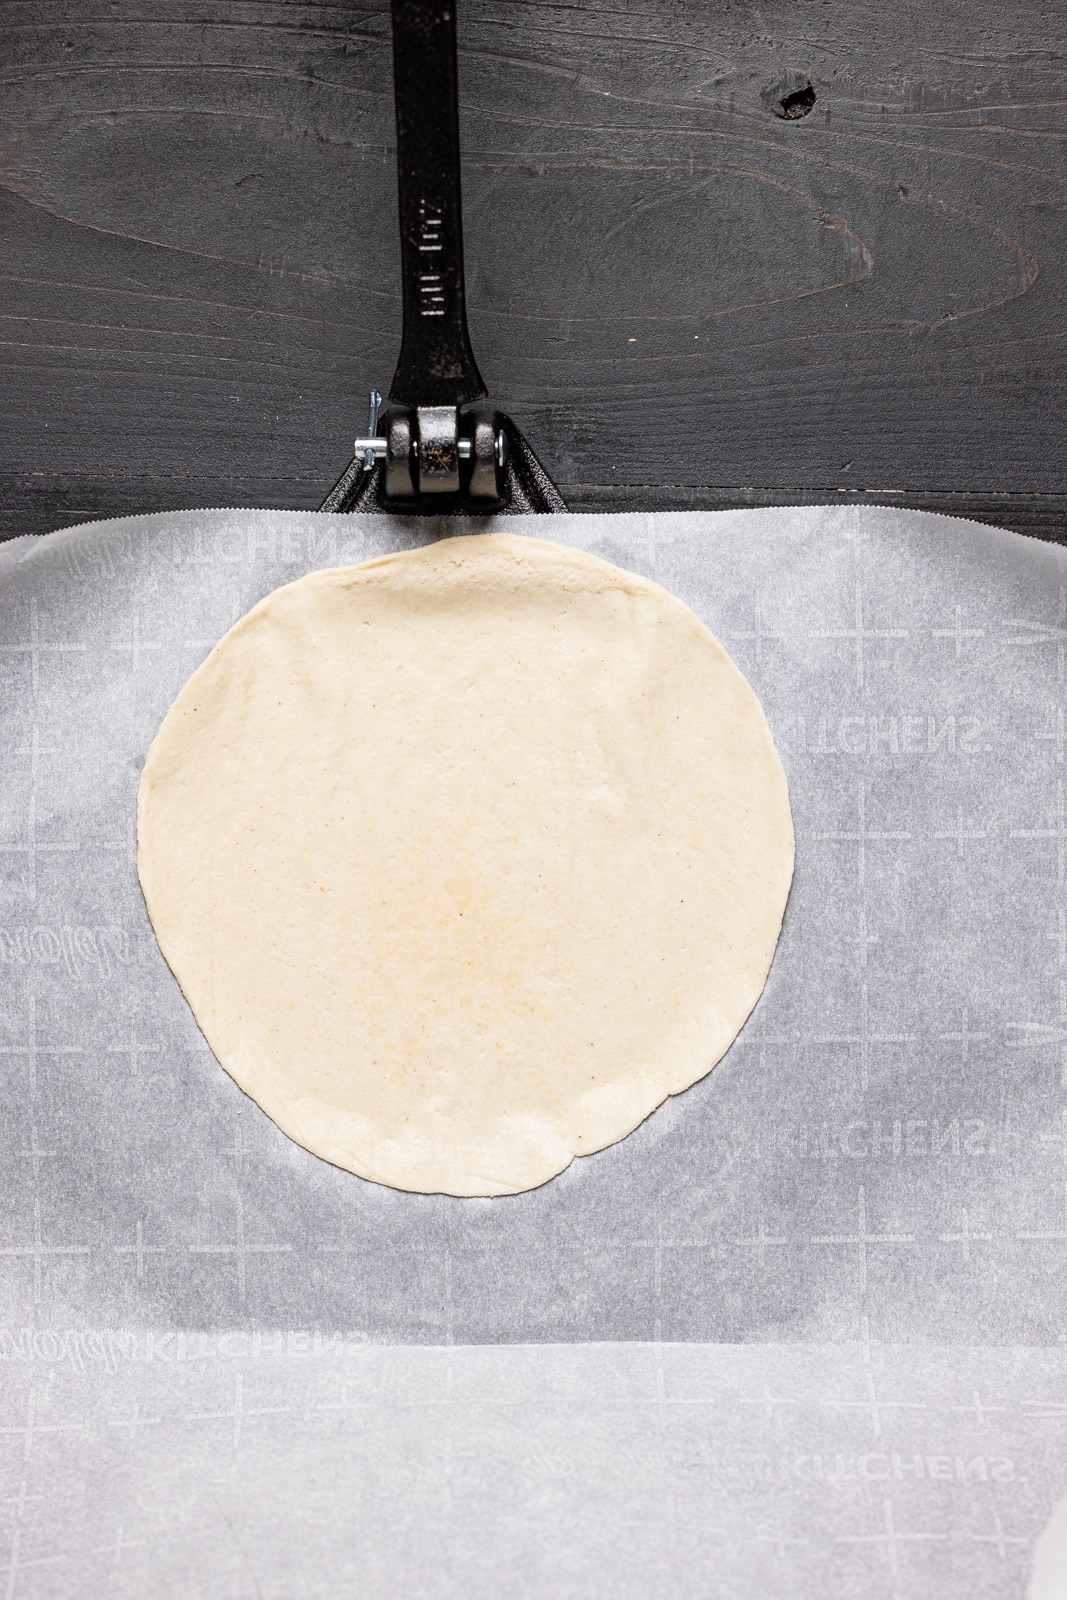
(466, 858)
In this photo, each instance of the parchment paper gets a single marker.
(823, 1292)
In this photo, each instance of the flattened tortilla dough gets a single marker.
(466, 858)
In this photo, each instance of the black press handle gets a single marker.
(439, 451)
(436, 365)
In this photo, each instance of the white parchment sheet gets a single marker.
(802, 1334)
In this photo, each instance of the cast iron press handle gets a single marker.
(439, 445)
(436, 365)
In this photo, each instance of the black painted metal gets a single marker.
(436, 365)
(526, 486)
(435, 389)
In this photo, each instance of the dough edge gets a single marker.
(302, 1119)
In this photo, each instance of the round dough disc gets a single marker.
(466, 858)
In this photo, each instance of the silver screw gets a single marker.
(374, 447)
(372, 428)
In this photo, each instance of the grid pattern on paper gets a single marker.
(285, 1464)
(886, 1144)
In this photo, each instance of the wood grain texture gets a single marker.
(683, 298)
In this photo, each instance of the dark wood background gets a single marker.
(684, 297)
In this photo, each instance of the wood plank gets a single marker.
(678, 292)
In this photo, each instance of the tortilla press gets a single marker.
(439, 445)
